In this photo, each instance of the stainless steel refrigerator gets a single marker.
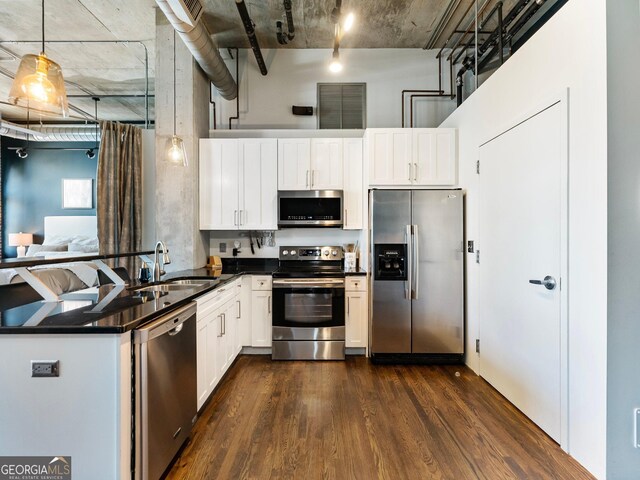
(417, 268)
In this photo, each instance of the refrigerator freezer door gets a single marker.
(391, 310)
(437, 325)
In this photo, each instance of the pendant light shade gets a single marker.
(39, 83)
(176, 152)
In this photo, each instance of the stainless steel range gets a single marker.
(308, 304)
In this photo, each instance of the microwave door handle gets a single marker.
(408, 284)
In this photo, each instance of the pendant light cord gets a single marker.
(174, 82)
(42, 26)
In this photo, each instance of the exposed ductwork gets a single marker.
(251, 35)
(284, 38)
(67, 133)
(204, 50)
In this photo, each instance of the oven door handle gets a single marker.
(338, 283)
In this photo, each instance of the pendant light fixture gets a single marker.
(91, 153)
(176, 153)
(39, 82)
(342, 24)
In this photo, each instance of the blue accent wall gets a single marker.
(32, 186)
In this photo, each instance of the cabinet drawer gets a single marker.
(261, 282)
(215, 298)
(356, 284)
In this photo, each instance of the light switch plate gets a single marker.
(222, 247)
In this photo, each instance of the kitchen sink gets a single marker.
(167, 287)
(193, 283)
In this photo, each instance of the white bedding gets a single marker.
(87, 272)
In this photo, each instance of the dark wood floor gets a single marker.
(354, 420)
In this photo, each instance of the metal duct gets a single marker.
(204, 50)
(251, 34)
(50, 134)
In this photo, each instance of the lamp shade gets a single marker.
(20, 239)
(39, 84)
(176, 152)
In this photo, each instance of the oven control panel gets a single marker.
(311, 253)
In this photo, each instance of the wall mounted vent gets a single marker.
(342, 105)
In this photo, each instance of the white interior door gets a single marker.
(523, 202)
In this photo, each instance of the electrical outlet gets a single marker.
(470, 246)
(45, 368)
(222, 247)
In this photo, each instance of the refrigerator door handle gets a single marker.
(416, 262)
(409, 282)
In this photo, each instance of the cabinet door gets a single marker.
(261, 318)
(294, 163)
(245, 311)
(222, 359)
(353, 184)
(434, 151)
(390, 156)
(218, 184)
(230, 330)
(201, 362)
(258, 209)
(326, 164)
(356, 320)
(213, 330)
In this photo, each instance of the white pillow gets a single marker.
(35, 249)
(77, 247)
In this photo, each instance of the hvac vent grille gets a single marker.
(188, 11)
(342, 105)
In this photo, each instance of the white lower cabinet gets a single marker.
(218, 327)
(261, 311)
(356, 312)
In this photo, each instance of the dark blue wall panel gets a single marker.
(32, 186)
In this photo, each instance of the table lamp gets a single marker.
(20, 240)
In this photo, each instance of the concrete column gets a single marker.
(176, 199)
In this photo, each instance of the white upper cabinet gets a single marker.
(435, 156)
(389, 156)
(310, 164)
(219, 184)
(412, 157)
(294, 163)
(353, 184)
(238, 184)
(259, 184)
(326, 164)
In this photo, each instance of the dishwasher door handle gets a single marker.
(177, 330)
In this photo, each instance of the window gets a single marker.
(342, 105)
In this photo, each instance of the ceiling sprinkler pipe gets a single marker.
(251, 35)
(282, 39)
(291, 31)
(204, 50)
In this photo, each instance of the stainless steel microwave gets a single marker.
(310, 208)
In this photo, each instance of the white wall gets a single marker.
(568, 52)
(265, 101)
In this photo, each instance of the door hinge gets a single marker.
(478, 167)
(477, 345)
(477, 256)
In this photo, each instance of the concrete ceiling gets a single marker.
(119, 68)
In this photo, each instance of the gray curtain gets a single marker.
(119, 191)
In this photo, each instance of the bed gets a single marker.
(64, 236)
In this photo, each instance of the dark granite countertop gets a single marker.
(128, 309)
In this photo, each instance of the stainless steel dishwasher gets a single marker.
(166, 392)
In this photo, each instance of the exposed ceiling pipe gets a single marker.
(50, 133)
(204, 50)
(287, 11)
(251, 35)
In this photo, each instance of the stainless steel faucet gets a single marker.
(157, 269)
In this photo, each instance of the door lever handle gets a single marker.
(548, 282)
